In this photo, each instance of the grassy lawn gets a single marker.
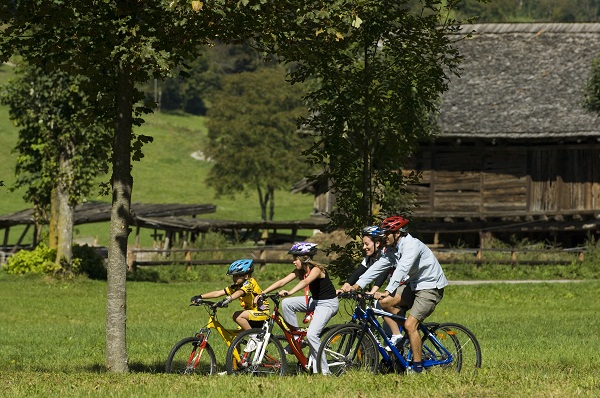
(538, 340)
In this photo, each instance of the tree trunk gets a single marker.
(53, 219)
(64, 228)
(62, 214)
(122, 184)
(272, 203)
(263, 202)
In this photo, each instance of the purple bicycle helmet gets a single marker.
(303, 249)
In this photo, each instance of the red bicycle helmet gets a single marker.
(394, 223)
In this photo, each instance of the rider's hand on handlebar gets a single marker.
(223, 303)
(346, 287)
(196, 300)
(259, 297)
(283, 293)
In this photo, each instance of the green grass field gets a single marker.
(538, 340)
(167, 174)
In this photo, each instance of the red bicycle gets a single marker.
(261, 352)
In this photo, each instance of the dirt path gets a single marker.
(481, 282)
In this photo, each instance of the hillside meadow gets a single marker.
(172, 171)
(538, 340)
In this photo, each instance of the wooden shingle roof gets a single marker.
(522, 81)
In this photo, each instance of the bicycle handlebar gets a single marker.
(356, 295)
(212, 304)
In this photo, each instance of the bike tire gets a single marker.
(460, 342)
(343, 351)
(192, 355)
(272, 363)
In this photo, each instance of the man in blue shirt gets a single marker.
(416, 285)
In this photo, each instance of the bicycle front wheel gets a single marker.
(249, 353)
(192, 355)
(459, 342)
(343, 349)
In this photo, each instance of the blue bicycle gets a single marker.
(360, 343)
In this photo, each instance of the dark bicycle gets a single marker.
(360, 343)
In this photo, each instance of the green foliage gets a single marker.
(62, 139)
(376, 70)
(253, 140)
(41, 260)
(37, 261)
(87, 261)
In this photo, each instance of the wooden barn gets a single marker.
(516, 152)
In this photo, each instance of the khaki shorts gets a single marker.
(420, 303)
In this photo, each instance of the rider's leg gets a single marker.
(389, 304)
(423, 306)
(242, 319)
(412, 329)
(290, 306)
(324, 310)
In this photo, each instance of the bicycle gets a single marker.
(194, 355)
(269, 356)
(359, 343)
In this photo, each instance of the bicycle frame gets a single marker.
(213, 323)
(367, 318)
(293, 335)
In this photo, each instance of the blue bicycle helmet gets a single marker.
(374, 232)
(241, 267)
(303, 249)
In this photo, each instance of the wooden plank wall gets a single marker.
(510, 179)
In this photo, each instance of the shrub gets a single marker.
(37, 261)
(41, 261)
(86, 260)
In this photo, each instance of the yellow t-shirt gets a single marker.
(251, 290)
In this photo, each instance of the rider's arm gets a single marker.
(353, 278)
(280, 283)
(409, 256)
(214, 294)
(382, 265)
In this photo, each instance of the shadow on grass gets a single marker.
(134, 367)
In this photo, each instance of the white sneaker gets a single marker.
(251, 346)
(395, 339)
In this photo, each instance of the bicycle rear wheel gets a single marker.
(241, 359)
(459, 341)
(192, 355)
(344, 351)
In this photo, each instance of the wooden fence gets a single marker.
(277, 255)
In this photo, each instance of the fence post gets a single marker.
(188, 260)
(130, 260)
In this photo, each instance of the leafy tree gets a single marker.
(116, 45)
(253, 140)
(380, 68)
(62, 147)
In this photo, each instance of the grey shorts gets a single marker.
(420, 303)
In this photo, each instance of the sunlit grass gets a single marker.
(538, 340)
